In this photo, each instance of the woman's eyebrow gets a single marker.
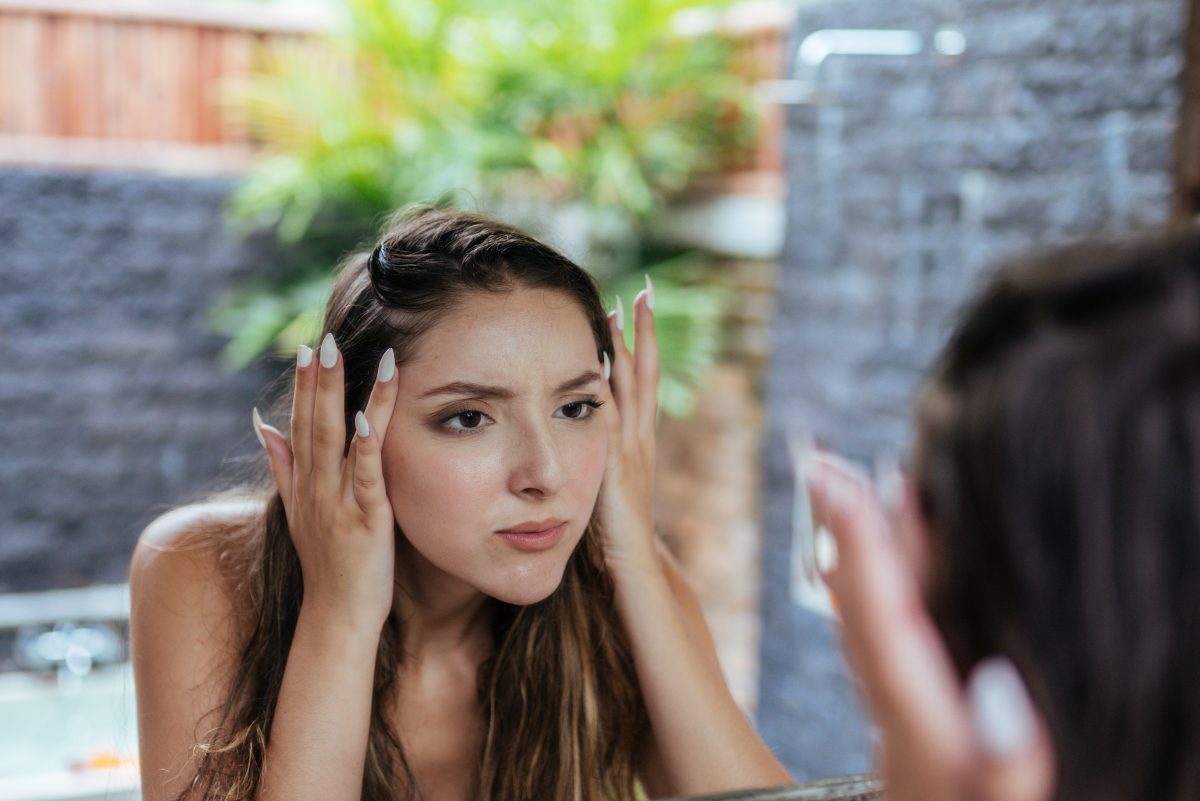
(474, 390)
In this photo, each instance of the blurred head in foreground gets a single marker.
(1056, 474)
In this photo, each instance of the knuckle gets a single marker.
(365, 480)
(325, 435)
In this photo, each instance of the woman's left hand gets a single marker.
(626, 495)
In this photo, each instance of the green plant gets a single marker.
(536, 112)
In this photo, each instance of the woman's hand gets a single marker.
(338, 513)
(626, 496)
(940, 741)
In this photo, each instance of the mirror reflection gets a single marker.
(452, 400)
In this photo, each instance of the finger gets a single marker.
(1016, 755)
(623, 378)
(906, 673)
(382, 403)
(279, 454)
(645, 361)
(329, 424)
(365, 467)
(378, 416)
(302, 411)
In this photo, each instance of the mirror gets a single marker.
(841, 788)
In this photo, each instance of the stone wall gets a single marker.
(111, 402)
(912, 176)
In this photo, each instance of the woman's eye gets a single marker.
(578, 410)
(465, 421)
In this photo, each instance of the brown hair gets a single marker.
(1058, 466)
(563, 714)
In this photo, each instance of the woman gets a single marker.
(452, 588)
(1032, 630)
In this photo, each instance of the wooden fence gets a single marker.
(136, 83)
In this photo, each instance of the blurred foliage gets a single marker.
(578, 115)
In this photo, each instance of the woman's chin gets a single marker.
(529, 585)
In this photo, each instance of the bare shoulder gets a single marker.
(190, 549)
(189, 616)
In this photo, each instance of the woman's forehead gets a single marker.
(524, 335)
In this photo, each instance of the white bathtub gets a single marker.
(52, 732)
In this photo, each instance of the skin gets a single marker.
(460, 464)
(534, 454)
(929, 748)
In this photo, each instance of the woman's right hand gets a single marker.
(939, 740)
(338, 513)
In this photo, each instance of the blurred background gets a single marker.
(813, 184)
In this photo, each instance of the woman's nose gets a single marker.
(537, 467)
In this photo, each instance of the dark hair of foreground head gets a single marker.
(1057, 461)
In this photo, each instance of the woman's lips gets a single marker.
(534, 540)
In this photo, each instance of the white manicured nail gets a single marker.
(257, 418)
(620, 314)
(304, 356)
(1001, 711)
(328, 352)
(607, 366)
(387, 366)
(649, 293)
(825, 551)
(361, 426)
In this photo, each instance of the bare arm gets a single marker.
(341, 525)
(702, 743)
(183, 635)
(186, 634)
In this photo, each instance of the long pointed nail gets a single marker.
(825, 552)
(303, 356)
(649, 293)
(387, 366)
(620, 314)
(361, 425)
(328, 352)
(607, 366)
(257, 418)
(1001, 711)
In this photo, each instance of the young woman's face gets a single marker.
(493, 430)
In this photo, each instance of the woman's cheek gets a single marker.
(594, 461)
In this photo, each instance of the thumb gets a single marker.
(279, 453)
(1016, 756)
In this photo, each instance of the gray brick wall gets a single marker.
(111, 403)
(919, 172)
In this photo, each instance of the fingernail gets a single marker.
(620, 314)
(607, 366)
(361, 425)
(649, 293)
(1001, 711)
(328, 352)
(303, 356)
(387, 366)
(257, 418)
(825, 552)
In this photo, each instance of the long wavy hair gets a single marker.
(1057, 464)
(563, 716)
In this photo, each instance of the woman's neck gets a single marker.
(444, 617)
